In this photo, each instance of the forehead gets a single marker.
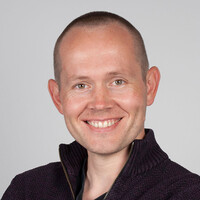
(97, 44)
(89, 36)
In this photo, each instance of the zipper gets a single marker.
(120, 172)
(67, 177)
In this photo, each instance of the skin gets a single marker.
(101, 80)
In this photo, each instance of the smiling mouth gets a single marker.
(103, 124)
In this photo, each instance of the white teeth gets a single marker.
(102, 124)
(96, 124)
(105, 124)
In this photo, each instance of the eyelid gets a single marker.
(119, 79)
(75, 86)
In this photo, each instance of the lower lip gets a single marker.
(103, 130)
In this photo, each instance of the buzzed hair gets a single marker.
(100, 18)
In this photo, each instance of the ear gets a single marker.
(152, 82)
(55, 94)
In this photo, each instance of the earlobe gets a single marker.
(152, 82)
(55, 94)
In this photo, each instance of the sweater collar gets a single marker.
(145, 154)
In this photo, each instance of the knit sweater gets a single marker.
(147, 175)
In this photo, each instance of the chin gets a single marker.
(104, 148)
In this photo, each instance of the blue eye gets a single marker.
(118, 82)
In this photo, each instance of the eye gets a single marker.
(80, 86)
(118, 82)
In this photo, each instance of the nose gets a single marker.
(100, 99)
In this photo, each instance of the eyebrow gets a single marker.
(78, 78)
(74, 77)
(114, 74)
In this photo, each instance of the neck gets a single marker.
(102, 170)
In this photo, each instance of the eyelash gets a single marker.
(77, 86)
(113, 83)
(122, 82)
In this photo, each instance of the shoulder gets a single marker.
(43, 170)
(40, 174)
(180, 183)
(34, 182)
(173, 170)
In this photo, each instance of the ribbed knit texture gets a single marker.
(148, 175)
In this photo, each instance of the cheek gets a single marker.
(132, 99)
(73, 105)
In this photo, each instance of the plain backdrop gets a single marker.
(30, 126)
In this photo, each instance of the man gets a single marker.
(102, 87)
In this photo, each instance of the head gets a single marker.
(95, 19)
(103, 83)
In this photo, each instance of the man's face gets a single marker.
(102, 94)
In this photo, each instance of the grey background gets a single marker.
(31, 128)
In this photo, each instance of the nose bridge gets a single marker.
(101, 98)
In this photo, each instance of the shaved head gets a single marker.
(95, 19)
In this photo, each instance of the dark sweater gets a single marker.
(148, 175)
